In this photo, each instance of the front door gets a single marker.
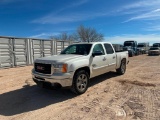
(98, 63)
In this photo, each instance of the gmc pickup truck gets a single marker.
(76, 64)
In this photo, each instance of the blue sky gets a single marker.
(118, 20)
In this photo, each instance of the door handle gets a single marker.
(114, 57)
(104, 59)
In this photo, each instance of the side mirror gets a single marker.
(97, 53)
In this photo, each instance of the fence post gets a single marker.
(31, 51)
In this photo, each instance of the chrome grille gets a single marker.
(42, 68)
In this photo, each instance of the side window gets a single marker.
(98, 47)
(109, 49)
(71, 50)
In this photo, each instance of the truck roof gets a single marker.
(156, 43)
(144, 43)
(130, 41)
(91, 42)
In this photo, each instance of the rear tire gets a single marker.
(80, 82)
(132, 54)
(122, 69)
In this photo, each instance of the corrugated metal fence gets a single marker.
(23, 51)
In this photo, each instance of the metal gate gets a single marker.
(20, 52)
(61, 45)
(37, 49)
(6, 53)
(47, 48)
(23, 51)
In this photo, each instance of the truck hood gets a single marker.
(127, 47)
(153, 50)
(140, 48)
(59, 58)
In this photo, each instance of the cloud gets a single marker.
(141, 10)
(56, 17)
(78, 3)
(72, 5)
(151, 38)
(43, 35)
(153, 15)
(39, 35)
(142, 4)
(153, 28)
(52, 19)
(72, 17)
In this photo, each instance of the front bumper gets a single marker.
(63, 79)
(153, 53)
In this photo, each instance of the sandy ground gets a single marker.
(133, 96)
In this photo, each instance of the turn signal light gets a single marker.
(64, 68)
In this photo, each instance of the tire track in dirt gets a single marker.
(142, 91)
(138, 64)
(127, 97)
(137, 102)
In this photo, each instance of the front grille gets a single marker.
(42, 68)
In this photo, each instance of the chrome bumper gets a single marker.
(64, 79)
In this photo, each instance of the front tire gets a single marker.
(80, 82)
(122, 69)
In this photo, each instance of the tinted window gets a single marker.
(154, 48)
(156, 45)
(109, 49)
(79, 49)
(140, 45)
(127, 44)
(130, 43)
(98, 47)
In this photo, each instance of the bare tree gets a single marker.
(62, 36)
(84, 34)
(88, 34)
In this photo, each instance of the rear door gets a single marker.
(111, 56)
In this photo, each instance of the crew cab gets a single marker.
(77, 64)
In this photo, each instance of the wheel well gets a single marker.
(84, 68)
(124, 59)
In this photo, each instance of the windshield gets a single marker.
(140, 46)
(154, 48)
(127, 44)
(78, 49)
(155, 45)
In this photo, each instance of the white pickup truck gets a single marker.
(76, 64)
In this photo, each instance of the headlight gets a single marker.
(60, 68)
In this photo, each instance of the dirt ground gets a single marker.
(133, 96)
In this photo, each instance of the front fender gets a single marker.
(78, 64)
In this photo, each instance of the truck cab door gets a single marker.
(111, 57)
(98, 61)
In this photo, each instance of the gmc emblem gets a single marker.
(40, 68)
